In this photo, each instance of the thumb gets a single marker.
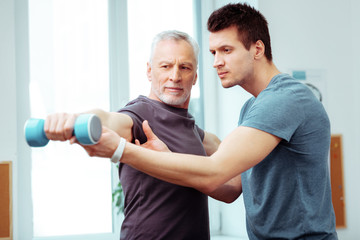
(147, 130)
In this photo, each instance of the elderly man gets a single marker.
(155, 209)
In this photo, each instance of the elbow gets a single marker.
(206, 189)
(209, 185)
(230, 198)
(225, 195)
(228, 201)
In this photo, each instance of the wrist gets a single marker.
(119, 151)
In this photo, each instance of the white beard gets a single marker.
(172, 99)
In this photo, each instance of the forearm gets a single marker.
(118, 122)
(242, 149)
(186, 170)
(181, 169)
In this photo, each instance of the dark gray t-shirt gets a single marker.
(287, 195)
(155, 209)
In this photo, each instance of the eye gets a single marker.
(212, 52)
(227, 50)
(164, 66)
(185, 68)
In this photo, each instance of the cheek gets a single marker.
(239, 64)
(157, 78)
(190, 80)
(189, 86)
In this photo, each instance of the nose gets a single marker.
(218, 61)
(175, 74)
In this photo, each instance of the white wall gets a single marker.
(325, 34)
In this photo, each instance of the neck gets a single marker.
(263, 74)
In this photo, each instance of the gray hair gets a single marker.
(177, 36)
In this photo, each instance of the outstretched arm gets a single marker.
(60, 126)
(118, 122)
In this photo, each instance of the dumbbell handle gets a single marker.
(87, 130)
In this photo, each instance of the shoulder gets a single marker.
(141, 107)
(284, 93)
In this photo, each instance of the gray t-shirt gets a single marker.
(288, 195)
(155, 209)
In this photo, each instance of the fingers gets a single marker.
(89, 150)
(74, 140)
(148, 131)
(153, 142)
(59, 126)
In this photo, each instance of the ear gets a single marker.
(195, 79)
(259, 49)
(148, 71)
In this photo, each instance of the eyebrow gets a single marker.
(221, 47)
(172, 62)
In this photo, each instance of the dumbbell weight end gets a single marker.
(34, 133)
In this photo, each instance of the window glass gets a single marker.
(71, 192)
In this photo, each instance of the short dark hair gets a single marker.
(250, 23)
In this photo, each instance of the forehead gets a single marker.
(225, 37)
(173, 49)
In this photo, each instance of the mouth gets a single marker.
(222, 74)
(174, 89)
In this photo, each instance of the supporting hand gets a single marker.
(106, 146)
(153, 142)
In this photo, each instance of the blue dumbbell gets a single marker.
(87, 130)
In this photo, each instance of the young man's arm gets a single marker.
(242, 149)
(228, 192)
(231, 190)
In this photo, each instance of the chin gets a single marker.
(226, 84)
(173, 101)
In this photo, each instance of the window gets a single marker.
(157, 16)
(69, 73)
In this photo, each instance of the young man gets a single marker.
(280, 147)
(155, 209)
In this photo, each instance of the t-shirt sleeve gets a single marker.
(278, 113)
(133, 112)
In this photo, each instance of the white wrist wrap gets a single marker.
(119, 151)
